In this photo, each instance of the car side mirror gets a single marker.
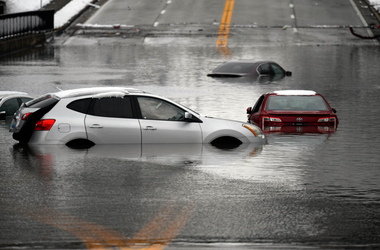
(334, 110)
(288, 73)
(249, 110)
(190, 118)
(2, 115)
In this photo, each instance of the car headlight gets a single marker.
(254, 129)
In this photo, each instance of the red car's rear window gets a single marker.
(296, 103)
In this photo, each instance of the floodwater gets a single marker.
(333, 179)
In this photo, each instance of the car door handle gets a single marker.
(96, 126)
(149, 128)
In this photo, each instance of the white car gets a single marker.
(10, 102)
(118, 115)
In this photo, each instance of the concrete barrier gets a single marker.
(24, 42)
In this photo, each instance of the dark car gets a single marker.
(10, 102)
(249, 68)
(293, 111)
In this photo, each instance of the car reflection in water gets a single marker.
(50, 158)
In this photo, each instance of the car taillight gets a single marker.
(327, 119)
(44, 125)
(271, 119)
(25, 116)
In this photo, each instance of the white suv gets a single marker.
(118, 115)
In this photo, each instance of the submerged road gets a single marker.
(226, 23)
(299, 191)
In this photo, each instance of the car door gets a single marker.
(111, 120)
(164, 122)
(255, 116)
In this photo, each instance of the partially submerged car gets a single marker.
(118, 115)
(248, 68)
(293, 111)
(10, 102)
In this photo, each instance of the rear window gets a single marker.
(296, 103)
(81, 105)
(42, 101)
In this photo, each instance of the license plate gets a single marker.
(299, 123)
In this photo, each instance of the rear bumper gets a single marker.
(300, 129)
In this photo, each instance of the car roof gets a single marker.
(248, 61)
(9, 93)
(97, 92)
(293, 92)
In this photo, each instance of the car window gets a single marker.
(81, 105)
(25, 99)
(265, 69)
(257, 106)
(157, 109)
(311, 103)
(112, 107)
(277, 69)
(10, 106)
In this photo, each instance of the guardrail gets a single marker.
(17, 24)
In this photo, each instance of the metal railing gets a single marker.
(22, 23)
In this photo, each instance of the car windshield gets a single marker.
(296, 103)
(238, 68)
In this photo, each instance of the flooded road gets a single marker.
(304, 190)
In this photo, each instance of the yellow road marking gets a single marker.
(172, 229)
(224, 27)
(156, 235)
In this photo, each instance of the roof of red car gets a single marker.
(293, 92)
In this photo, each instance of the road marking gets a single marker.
(155, 24)
(156, 235)
(163, 12)
(225, 24)
(292, 16)
(291, 5)
(363, 20)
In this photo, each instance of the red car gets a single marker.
(293, 111)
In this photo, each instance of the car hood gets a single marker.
(213, 128)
